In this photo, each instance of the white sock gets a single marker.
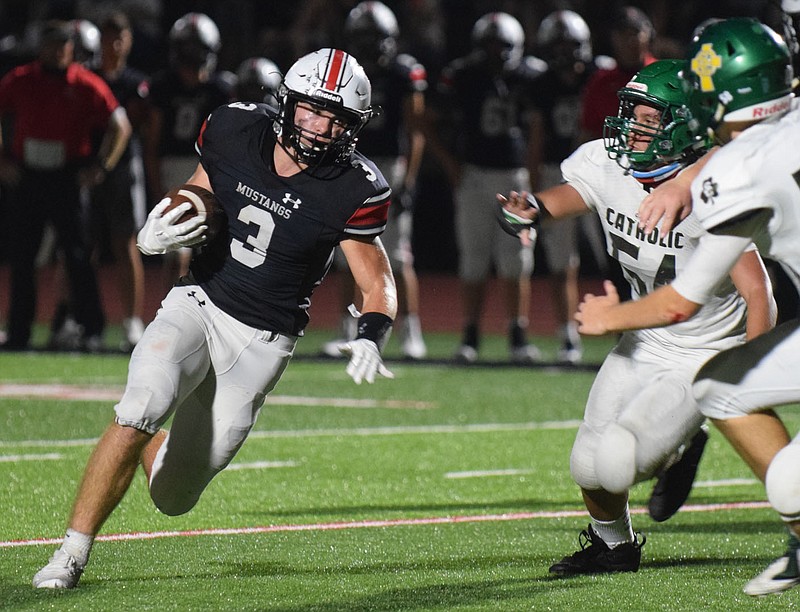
(615, 532)
(78, 545)
(413, 325)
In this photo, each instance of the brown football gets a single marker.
(201, 200)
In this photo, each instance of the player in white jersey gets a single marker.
(741, 74)
(640, 420)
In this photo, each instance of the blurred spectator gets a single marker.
(182, 96)
(54, 107)
(395, 142)
(482, 103)
(119, 203)
(564, 42)
(632, 37)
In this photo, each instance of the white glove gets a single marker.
(365, 360)
(159, 234)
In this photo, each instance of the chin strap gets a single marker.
(658, 175)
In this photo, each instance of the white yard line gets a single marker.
(339, 432)
(260, 465)
(39, 457)
(487, 473)
(727, 482)
(112, 394)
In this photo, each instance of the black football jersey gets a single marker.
(383, 136)
(129, 86)
(185, 108)
(489, 110)
(560, 105)
(281, 230)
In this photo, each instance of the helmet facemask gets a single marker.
(653, 146)
(332, 82)
(624, 136)
(311, 148)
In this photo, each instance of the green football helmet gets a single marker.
(673, 143)
(739, 71)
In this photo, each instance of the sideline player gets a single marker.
(741, 73)
(395, 142)
(564, 42)
(119, 203)
(292, 187)
(181, 98)
(640, 420)
(483, 100)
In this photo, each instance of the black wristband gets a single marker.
(374, 326)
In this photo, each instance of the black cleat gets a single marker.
(595, 557)
(675, 484)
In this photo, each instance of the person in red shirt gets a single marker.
(53, 107)
(632, 35)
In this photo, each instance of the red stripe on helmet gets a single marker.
(336, 65)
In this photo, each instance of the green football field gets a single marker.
(447, 488)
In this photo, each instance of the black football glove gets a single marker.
(514, 224)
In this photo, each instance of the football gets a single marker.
(201, 200)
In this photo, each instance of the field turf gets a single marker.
(447, 488)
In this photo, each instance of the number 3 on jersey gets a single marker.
(254, 253)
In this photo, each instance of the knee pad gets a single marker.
(581, 460)
(783, 482)
(615, 459)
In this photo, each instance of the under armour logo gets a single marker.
(288, 199)
(193, 294)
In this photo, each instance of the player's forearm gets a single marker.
(665, 306)
(115, 139)
(381, 295)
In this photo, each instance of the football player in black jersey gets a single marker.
(292, 188)
(182, 96)
(119, 203)
(564, 42)
(482, 102)
(395, 142)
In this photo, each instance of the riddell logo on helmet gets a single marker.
(327, 95)
(760, 112)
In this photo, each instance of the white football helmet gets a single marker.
(87, 40)
(194, 41)
(371, 29)
(258, 80)
(564, 37)
(502, 28)
(332, 80)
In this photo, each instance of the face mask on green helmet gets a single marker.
(655, 150)
(739, 72)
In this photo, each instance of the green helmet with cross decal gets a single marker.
(739, 72)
